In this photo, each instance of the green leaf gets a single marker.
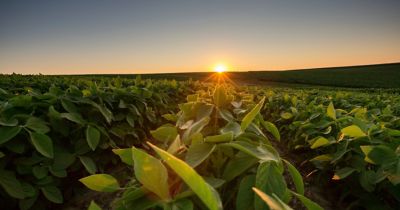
(272, 129)
(245, 196)
(220, 97)
(8, 122)
(330, 111)
(150, 172)
(286, 115)
(353, 131)
(296, 177)
(182, 204)
(343, 173)
(7, 133)
(195, 182)
(92, 137)
(74, 117)
(273, 203)
(195, 128)
(93, 206)
(175, 146)
(262, 152)
(192, 98)
(11, 184)
(269, 178)
(42, 144)
(251, 115)
(226, 137)
(125, 155)
(232, 127)
(238, 165)
(197, 153)
(40, 172)
(101, 183)
(165, 133)
(52, 194)
(380, 154)
(319, 142)
(89, 164)
(37, 125)
(309, 204)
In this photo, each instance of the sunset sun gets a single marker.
(220, 68)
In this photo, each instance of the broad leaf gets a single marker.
(101, 183)
(89, 164)
(203, 190)
(245, 195)
(52, 194)
(330, 111)
(125, 155)
(165, 133)
(42, 144)
(319, 142)
(353, 131)
(11, 184)
(37, 125)
(261, 151)
(151, 173)
(92, 137)
(197, 153)
(296, 177)
(7, 133)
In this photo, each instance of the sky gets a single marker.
(159, 36)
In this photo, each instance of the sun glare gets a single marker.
(220, 68)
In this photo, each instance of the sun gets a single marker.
(220, 68)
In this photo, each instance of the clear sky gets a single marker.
(128, 36)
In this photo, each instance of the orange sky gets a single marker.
(75, 37)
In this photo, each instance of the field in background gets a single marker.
(367, 76)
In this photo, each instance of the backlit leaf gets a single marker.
(150, 172)
(101, 183)
(251, 115)
(195, 182)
